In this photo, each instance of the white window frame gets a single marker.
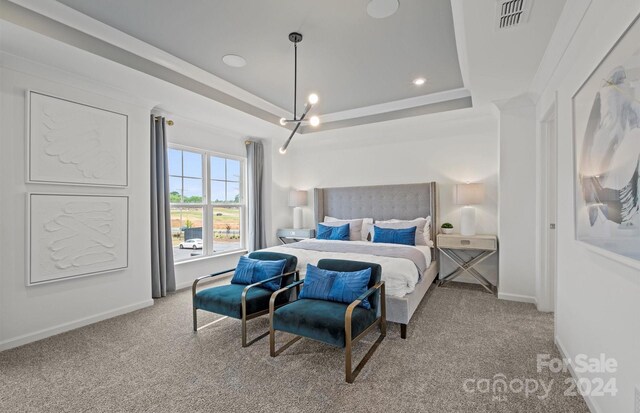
(207, 205)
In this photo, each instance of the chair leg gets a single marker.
(403, 331)
(195, 319)
(272, 343)
(246, 343)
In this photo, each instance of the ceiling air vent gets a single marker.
(512, 13)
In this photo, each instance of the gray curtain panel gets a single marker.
(255, 206)
(163, 277)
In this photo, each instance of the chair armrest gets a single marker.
(357, 301)
(197, 280)
(259, 283)
(272, 300)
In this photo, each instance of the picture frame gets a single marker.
(606, 153)
(75, 235)
(74, 143)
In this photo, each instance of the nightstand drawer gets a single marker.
(462, 242)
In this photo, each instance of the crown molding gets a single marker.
(62, 23)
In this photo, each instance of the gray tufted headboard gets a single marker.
(406, 201)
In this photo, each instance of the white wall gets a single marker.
(29, 313)
(32, 61)
(448, 148)
(598, 299)
(517, 206)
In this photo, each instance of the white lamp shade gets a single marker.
(469, 194)
(297, 198)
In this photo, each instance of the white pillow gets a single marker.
(355, 226)
(427, 229)
(419, 223)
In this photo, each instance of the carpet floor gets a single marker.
(459, 340)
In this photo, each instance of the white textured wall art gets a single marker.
(75, 143)
(76, 235)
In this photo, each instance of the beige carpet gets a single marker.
(150, 361)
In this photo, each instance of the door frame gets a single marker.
(545, 279)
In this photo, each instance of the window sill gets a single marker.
(210, 257)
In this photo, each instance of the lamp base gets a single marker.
(297, 218)
(468, 221)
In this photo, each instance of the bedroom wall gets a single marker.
(517, 205)
(31, 61)
(597, 301)
(30, 313)
(448, 148)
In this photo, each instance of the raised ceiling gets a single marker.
(348, 58)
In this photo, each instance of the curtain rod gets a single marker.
(169, 121)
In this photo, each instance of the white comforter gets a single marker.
(399, 274)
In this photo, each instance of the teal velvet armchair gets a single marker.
(240, 301)
(331, 322)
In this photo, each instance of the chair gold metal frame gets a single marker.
(245, 317)
(350, 375)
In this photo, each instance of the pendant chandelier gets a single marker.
(312, 99)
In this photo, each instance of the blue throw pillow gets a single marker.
(317, 283)
(268, 269)
(342, 287)
(244, 271)
(251, 271)
(339, 233)
(405, 236)
(347, 286)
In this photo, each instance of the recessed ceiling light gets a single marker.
(419, 81)
(379, 9)
(234, 60)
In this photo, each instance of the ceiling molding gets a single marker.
(566, 28)
(74, 19)
(395, 106)
(462, 102)
(457, 13)
(65, 24)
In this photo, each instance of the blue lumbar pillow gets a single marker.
(317, 283)
(342, 287)
(251, 271)
(339, 233)
(347, 286)
(244, 271)
(405, 236)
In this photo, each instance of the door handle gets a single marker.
(552, 226)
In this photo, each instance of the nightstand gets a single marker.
(450, 245)
(287, 235)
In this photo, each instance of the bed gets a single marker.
(406, 277)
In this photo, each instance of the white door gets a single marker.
(552, 211)
(549, 165)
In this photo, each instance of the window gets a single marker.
(207, 203)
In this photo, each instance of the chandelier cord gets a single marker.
(295, 79)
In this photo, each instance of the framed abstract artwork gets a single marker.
(606, 128)
(72, 236)
(75, 143)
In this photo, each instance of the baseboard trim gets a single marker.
(52, 331)
(517, 297)
(563, 352)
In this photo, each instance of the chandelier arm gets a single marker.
(284, 147)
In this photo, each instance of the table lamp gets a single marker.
(468, 195)
(297, 199)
